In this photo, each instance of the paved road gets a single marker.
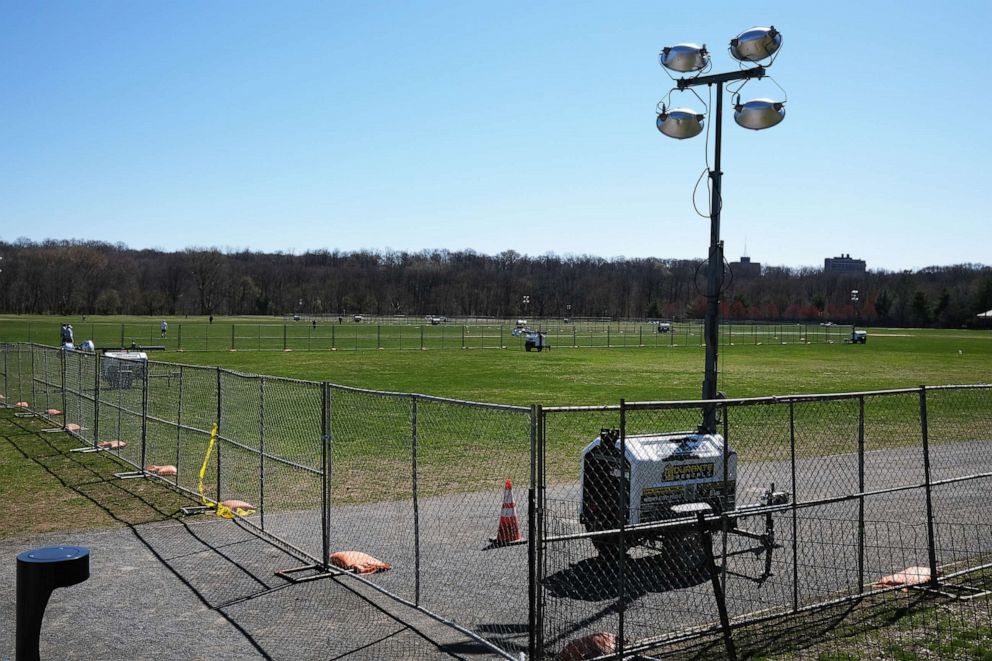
(486, 589)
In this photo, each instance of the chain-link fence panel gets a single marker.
(282, 420)
(80, 372)
(471, 479)
(123, 381)
(372, 509)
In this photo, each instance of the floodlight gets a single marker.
(680, 123)
(759, 114)
(685, 58)
(756, 44)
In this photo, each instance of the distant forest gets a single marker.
(75, 277)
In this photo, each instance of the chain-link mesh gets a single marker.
(798, 513)
(839, 499)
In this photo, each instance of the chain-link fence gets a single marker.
(805, 513)
(330, 335)
(655, 535)
(417, 482)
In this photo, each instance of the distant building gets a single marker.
(843, 264)
(745, 268)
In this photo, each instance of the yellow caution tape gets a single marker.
(221, 509)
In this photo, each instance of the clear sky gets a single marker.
(529, 126)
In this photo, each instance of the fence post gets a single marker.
(463, 337)
(232, 336)
(179, 343)
(421, 337)
(179, 424)
(925, 435)
(861, 490)
(65, 401)
(122, 335)
(96, 397)
(219, 405)
(537, 539)
(622, 498)
(532, 529)
(795, 507)
(325, 465)
(284, 337)
(607, 336)
(333, 337)
(144, 418)
(378, 336)
(261, 451)
(34, 398)
(416, 503)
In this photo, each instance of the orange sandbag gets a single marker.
(53, 412)
(111, 445)
(21, 405)
(908, 576)
(72, 426)
(589, 647)
(233, 504)
(164, 471)
(358, 562)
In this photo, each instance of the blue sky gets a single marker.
(490, 126)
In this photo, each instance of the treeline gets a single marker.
(77, 277)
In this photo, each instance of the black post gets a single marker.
(721, 601)
(39, 573)
(532, 542)
(714, 273)
(925, 434)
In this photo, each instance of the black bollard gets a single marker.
(39, 572)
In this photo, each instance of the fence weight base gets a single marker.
(129, 475)
(195, 509)
(956, 592)
(319, 572)
(88, 448)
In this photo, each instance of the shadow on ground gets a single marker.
(232, 572)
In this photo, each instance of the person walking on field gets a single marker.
(164, 327)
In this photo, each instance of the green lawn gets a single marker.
(668, 367)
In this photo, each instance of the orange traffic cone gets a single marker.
(509, 526)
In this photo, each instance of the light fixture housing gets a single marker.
(680, 123)
(759, 114)
(756, 44)
(685, 58)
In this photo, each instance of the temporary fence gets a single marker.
(820, 499)
(478, 334)
(315, 468)
(817, 498)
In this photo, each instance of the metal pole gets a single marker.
(219, 405)
(65, 401)
(144, 417)
(96, 398)
(261, 451)
(179, 343)
(795, 512)
(179, 424)
(325, 497)
(718, 593)
(622, 515)
(416, 504)
(714, 273)
(532, 529)
(861, 489)
(925, 434)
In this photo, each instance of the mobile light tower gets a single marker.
(755, 50)
(855, 298)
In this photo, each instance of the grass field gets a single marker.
(893, 358)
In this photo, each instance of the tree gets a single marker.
(920, 309)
